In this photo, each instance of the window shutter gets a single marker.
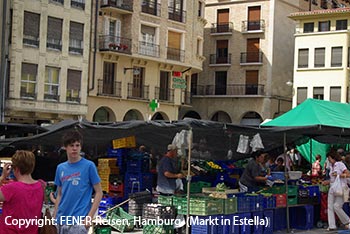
(319, 57)
(74, 79)
(174, 40)
(118, 25)
(31, 24)
(303, 58)
(301, 95)
(337, 56)
(335, 94)
(54, 28)
(106, 26)
(30, 69)
(76, 31)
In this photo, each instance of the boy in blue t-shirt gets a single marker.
(76, 179)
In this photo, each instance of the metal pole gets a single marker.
(311, 153)
(286, 179)
(188, 178)
(3, 61)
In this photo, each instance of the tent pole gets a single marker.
(311, 154)
(190, 139)
(286, 179)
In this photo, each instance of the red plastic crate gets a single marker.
(281, 200)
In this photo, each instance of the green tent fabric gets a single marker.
(317, 148)
(314, 112)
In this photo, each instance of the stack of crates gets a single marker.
(106, 168)
(152, 211)
(292, 195)
(120, 150)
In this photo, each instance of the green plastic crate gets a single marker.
(230, 205)
(292, 200)
(165, 200)
(102, 230)
(120, 220)
(158, 229)
(206, 206)
(180, 203)
(196, 187)
(292, 190)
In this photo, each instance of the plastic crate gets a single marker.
(302, 217)
(281, 200)
(102, 230)
(158, 229)
(269, 202)
(292, 200)
(121, 220)
(243, 203)
(230, 205)
(165, 200)
(258, 229)
(137, 165)
(279, 219)
(180, 203)
(199, 225)
(277, 175)
(206, 206)
(138, 180)
(158, 211)
(245, 228)
(196, 187)
(256, 202)
(126, 142)
(268, 215)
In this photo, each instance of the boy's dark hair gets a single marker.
(257, 153)
(280, 160)
(71, 137)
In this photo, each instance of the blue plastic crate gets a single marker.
(269, 228)
(144, 180)
(258, 229)
(279, 219)
(223, 226)
(198, 228)
(245, 228)
(256, 202)
(234, 228)
(269, 202)
(243, 203)
(137, 165)
(302, 217)
(277, 175)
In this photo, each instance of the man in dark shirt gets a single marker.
(252, 176)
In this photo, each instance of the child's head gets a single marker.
(71, 137)
(280, 161)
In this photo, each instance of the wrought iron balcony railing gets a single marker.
(176, 14)
(51, 97)
(222, 27)
(113, 43)
(54, 44)
(138, 92)
(166, 95)
(230, 90)
(148, 49)
(120, 4)
(150, 7)
(256, 25)
(76, 46)
(251, 57)
(78, 4)
(29, 95)
(31, 40)
(217, 59)
(175, 54)
(112, 89)
(58, 1)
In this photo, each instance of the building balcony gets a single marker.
(176, 15)
(138, 92)
(150, 7)
(164, 95)
(221, 28)
(175, 54)
(187, 98)
(31, 40)
(117, 6)
(257, 26)
(230, 90)
(28, 95)
(249, 58)
(148, 49)
(76, 46)
(51, 97)
(111, 89)
(54, 44)
(78, 4)
(115, 44)
(220, 60)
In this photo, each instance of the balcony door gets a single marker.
(222, 51)
(164, 85)
(251, 81)
(137, 88)
(220, 82)
(222, 20)
(174, 46)
(108, 78)
(254, 18)
(253, 49)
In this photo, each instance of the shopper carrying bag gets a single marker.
(48, 227)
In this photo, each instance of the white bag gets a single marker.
(337, 187)
(243, 144)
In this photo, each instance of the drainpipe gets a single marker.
(3, 75)
(95, 45)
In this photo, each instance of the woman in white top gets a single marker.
(335, 203)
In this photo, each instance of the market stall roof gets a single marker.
(16, 130)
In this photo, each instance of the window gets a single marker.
(319, 57)
(301, 94)
(308, 27)
(174, 51)
(54, 32)
(148, 44)
(335, 94)
(151, 7)
(220, 82)
(73, 86)
(324, 4)
(76, 35)
(176, 10)
(31, 29)
(252, 82)
(337, 54)
(80, 4)
(52, 75)
(324, 26)
(303, 58)
(200, 9)
(28, 80)
(199, 51)
(342, 24)
(318, 93)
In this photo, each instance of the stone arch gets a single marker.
(251, 118)
(221, 116)
(192, 114)
(104, 114)
(133, 115)
(160, 116)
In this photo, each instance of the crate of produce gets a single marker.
(196, 187)
(99, 229)
(158, 229)
(137, 165)
(243, 203)
(180, 204)
(126, 142)
(121, 220)
(158, 211)
(230, 205)
(225, 192)
(206, 206)
(165, 200)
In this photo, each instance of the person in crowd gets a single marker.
(335, 203)
(22, 199)
(295, 158)
(347, 161)
(288, 164)
(168, 177)
(270, 164)
(279, 166)
(76, 179)
(252, 177)
(316, 167)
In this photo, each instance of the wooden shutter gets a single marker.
(54, 28)
(31, 69)
(335, 94)
(74, 79)
(301, 94)
(76, 31)
(253, 48)
(223, 16)
(106, 25)
(303, 58)
(31, 24)
(174, 40)
(254, 13)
